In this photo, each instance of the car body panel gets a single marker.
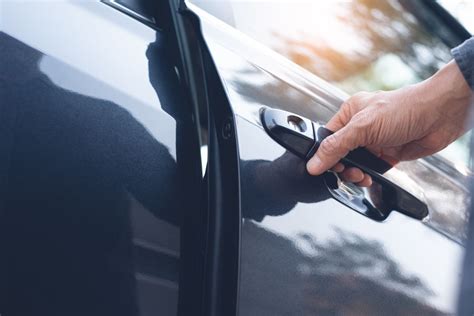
(97, 183)
(92, 210)
(309, 254)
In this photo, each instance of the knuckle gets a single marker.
(329, 145)
(345, 109)
(360, 128)
(348, 108)
(362, 120)
(349, 104)
(355, 103)
(361, 95)
(380, 103)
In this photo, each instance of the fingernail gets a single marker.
(313, 164)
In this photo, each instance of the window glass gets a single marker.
(461, 10)
(361, 45)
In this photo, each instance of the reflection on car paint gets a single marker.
(253, 87)
(319, 256)
(92, 221)
(314, 255)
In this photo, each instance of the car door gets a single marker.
(303, 250)
(101, 181)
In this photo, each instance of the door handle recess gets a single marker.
(302, 137)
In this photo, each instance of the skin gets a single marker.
(404, 124)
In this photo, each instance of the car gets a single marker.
(139, 176)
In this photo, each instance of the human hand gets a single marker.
(404, 124)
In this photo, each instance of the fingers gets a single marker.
(333, 148)
(415, 150)
(350, 107)
(345, 138)
(366, 182)
(410, 151)
(338, 121)
(339, 167)
(341, 118)
(354, 175)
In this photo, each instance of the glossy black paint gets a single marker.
(305, 253)
(293, 132)
(100, 155)
(105, 155)
(220, 251)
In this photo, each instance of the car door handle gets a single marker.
(302, 137)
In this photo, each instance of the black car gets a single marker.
(138, 175)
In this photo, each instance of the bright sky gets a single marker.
(461, 9)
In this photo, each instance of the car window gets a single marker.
(461, 10)
(371, 45)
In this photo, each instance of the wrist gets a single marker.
(449, 86)
(447, 97)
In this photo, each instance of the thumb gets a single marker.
(333, 148)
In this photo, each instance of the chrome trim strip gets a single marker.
(150, 21)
